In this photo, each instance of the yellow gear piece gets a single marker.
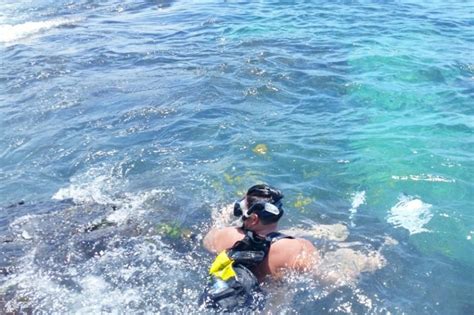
(222, 267)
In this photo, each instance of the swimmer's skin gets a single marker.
(285, 254)
(335, 268)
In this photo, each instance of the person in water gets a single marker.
(260, 210)
(254, 251)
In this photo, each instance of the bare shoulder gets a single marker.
(219, 239)
(293, 246)
(296, 254)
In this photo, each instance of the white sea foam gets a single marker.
(223, 216)
(10, 33)
(425, 178)
(358, 199)
(410, 213)
(95, 186)
(100, 186)
(95, 294)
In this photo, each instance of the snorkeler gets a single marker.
(254, 251)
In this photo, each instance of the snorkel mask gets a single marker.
(268, 210)
(264, 209)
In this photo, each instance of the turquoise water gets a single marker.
(149, 115)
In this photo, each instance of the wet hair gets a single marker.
(264, 193)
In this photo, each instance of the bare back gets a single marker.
(285, 254)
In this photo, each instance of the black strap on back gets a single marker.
(252, 249)
(276, 236)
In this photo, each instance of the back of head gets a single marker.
(263, 193)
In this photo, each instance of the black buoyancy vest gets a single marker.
(242, 290)
(252, 249)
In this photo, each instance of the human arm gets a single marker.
(219, 239)
(308, 257)
(292, 255)
(210, 240)
(334, 232)
(335, 268)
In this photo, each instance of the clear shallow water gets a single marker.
(147, 116)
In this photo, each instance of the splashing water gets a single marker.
(410, 213)
(12, 33)
(358, 199)
(140, 119)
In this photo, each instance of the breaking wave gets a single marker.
(10, 33)
(99, 186)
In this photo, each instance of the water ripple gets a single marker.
(112, 100)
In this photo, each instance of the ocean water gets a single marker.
(125, 125)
